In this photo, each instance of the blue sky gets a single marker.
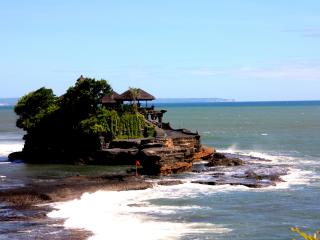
(241, 49)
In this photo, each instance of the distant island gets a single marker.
(8, 101)
(192, 100)
(13, 101)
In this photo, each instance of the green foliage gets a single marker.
(73, 122)
(33, 107)
(104, 121)
(115, 125)
(84, 98)
(149, 131)
(132, 125)
(135, 95)
(305, 235)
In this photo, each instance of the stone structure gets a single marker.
(170, 151)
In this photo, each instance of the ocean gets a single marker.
(284, 133)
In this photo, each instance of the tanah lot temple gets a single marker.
(168, 151)
(149, 112)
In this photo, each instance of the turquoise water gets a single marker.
(286, 133)
(275, 127)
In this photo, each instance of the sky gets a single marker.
(247, 50)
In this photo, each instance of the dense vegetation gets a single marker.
(73, 123)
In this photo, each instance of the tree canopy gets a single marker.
(73, 122)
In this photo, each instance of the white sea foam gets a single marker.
(131, 214)
(206, 132)
(274, 157)
(295, 176)
(140, 214)
(8, 147)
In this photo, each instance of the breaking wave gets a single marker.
(295, 176)
(8, 147)
(132, 215)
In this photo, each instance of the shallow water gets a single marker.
(287, 134)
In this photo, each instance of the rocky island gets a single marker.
(92, 124)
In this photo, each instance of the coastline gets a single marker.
(32, 203)
(40, 197)
(297, 192)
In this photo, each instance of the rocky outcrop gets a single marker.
(204, 153)
(116, 156)
(172, 151)
(167, 160)
(219, 159)
(247, 171)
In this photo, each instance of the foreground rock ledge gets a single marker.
(250, 172)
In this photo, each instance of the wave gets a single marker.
(131, 214)
(297, 175)
(157, 213)
(8, 147)
(274, 157)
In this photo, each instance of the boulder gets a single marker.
(204, 153)
(166, 160)
(219, 159)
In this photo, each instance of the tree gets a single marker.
(84, 98)
(69, 126)
(32, 107)
(135, 94)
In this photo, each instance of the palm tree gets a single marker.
(135, 94)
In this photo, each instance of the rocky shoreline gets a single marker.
(26, 207)
(241, 170)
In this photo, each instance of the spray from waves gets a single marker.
(131, 214)
(297, 175)
(274, 157)
(8, 147)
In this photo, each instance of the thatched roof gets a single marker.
(142, 95)
(110, 98)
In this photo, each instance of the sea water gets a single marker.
(286, 133)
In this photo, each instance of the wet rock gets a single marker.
(204, 153)
(116, 156)
(218, 174)
(169, 182)
(247, 171)
(166, 160)
(251, 183)
(219, 159)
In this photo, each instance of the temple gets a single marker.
(168, 151)
(136, 95)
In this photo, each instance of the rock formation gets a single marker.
(250, 172)
(172, 151)
(219, 159)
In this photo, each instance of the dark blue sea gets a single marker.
(284, 133)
